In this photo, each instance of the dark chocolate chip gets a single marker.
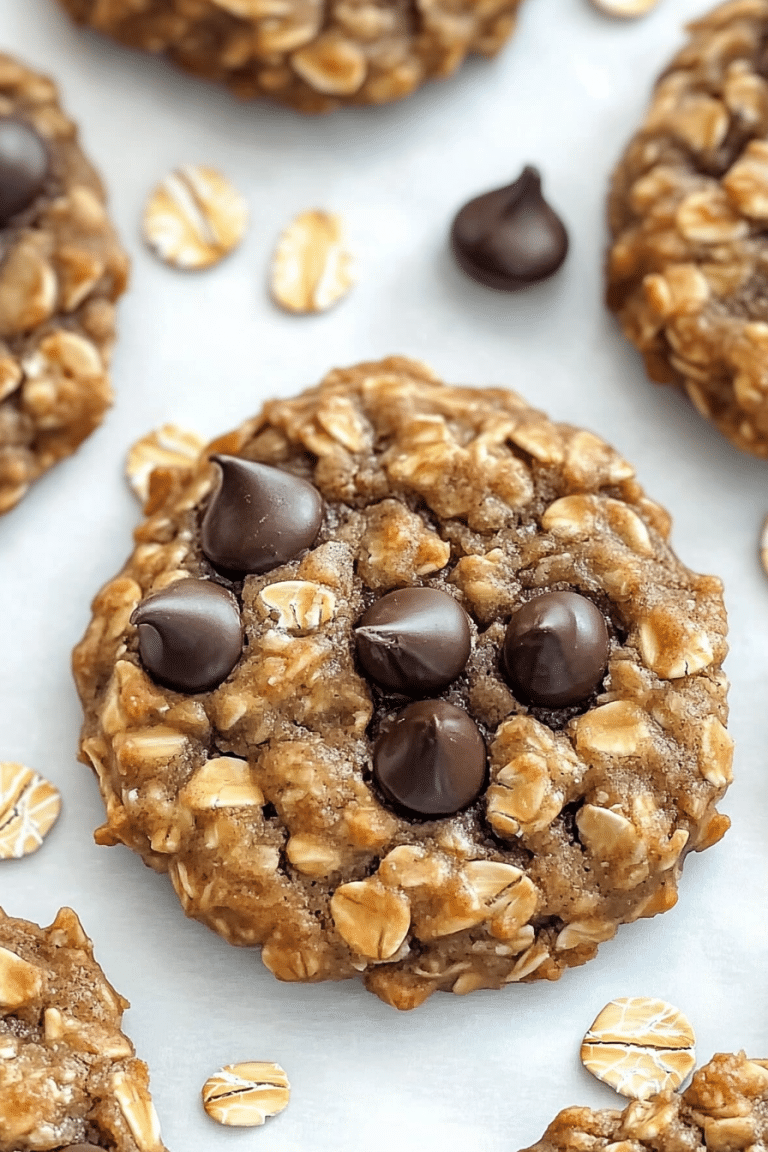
(190, 635)
(431, 759)
(556, 650)
(24, 167)
(510, 238)
(414, 640)
(259, 517)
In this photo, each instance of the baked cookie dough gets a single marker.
(69, 1078)
(311, 55)
(724, 1109)
(327, 755)
(61, 270)
(688, 210)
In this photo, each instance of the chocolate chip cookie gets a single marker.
(688, 211)
(61, 270)
(725, 1108)
(69, 1078)
(311, 55)
(404, 681)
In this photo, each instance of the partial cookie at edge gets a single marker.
(311, 55)
(68, 1074)
(61, 271)
(687, 212)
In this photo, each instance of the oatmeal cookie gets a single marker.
(688, 210)
(724, 1109)
(404, 680)
(69, 1078)
(61, 270)
(311, 55)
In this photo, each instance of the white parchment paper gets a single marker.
(484, 1073)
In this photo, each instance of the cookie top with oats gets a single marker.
(311, 55)
(404, 681)
(62, 271)
(69, 1077)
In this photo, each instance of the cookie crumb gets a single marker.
(245, 1095)
(29, 808)
(640, 1046)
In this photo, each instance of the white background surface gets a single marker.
(489, 1071)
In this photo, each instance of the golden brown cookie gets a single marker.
(69, 1077)
(688, 211)
(314, 56)
(61, 270)
(404, 681)
(725, 1109)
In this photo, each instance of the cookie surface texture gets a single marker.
(311, 55)
(688, 211)
(279, 801)
(725, 1108)
(62, 269)
(69, 1078)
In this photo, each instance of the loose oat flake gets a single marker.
(312, 267)
(166, 447)
(640, 1046)
(194, 217)
(625, 9)
(244, 1095)
(29, 807)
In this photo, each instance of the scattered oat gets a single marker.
(640, 1046)
(166, 447)
(244, 1095)
(29, 807)
(312, 267)
(625, 9)
(194, 217)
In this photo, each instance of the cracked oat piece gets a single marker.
(725, 1109)
(688, 208)
(276, 799)
(62, 269)
(68, 1075)
(311, 55)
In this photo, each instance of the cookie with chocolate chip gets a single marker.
(311, 55)
(61, 271)
(69, 1077)
(725, 1107)
(405, 681)
(688, 211)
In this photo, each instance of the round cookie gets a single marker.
(725, 1107)
(351, 823)
(61, 269)
(69, 1077)
(311, 55)
(688, 212)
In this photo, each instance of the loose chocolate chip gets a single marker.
(430, 759)
(415, 640)
(510, 238)
(556, 650)
(190, 635)
(24, 167)
(259, 517)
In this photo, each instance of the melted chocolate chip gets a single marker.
(259, 517)
(556, 650)
(190, 635)
(431, 759)
(510, 238)
(415, 641)
(24, 167)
